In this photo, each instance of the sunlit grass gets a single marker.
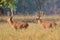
(33, 32)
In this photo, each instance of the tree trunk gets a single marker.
(1, 11)
(12, 12)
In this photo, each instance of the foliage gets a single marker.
(9, 4)
(23, 5)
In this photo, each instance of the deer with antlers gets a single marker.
(45, 24)
(17, 25)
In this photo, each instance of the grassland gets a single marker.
(33, 32)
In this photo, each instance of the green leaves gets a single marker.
(12, 7)
(10, 4)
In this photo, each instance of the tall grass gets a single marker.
(33, 32)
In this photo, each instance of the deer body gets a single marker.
(45, 24)
(17, 25)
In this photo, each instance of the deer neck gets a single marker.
(40, 21)
(10, 21)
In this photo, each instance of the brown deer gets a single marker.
(17, 25)
(45, 24)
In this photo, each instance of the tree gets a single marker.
(1, 8)
(10, 4)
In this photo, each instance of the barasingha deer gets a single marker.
(45, 24)
(17, 25)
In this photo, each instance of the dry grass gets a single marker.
(33, 32)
